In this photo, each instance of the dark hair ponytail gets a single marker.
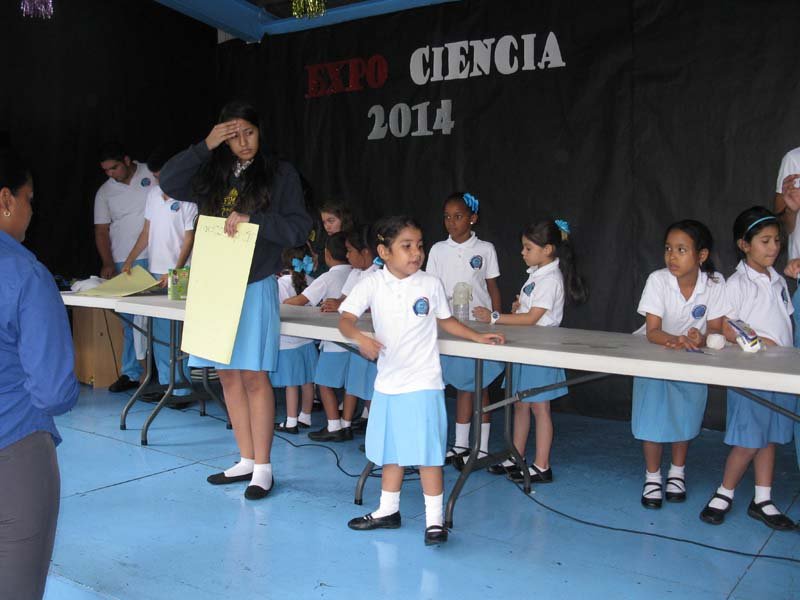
(336, 246)
(750, 222)
(362, 237)
(212, 182)
(702, 239)
(547, 232)
(299, 281)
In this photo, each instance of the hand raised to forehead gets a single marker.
(222, 132)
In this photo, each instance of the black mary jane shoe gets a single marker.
(779, 522)
(368, 522)
(323, 435)
(537, 475)
(359, 425)
(435, 534)
(680, 483)
(256, 492)
(222, 479)
(649, 488)
(716, 516)
(499, 469)
(282, 428)
(454, 453)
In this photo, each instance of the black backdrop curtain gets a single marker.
(660, 111)
(136, 72)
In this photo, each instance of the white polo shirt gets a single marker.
(328, 285)
(662, 297)
(170, 219)
(472, 262)
(404, 314)
(122, 205)
(790, 165)
(762, 302)
(544, 289)
(286, 290)
(355, 276)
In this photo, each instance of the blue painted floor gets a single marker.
(142, 523)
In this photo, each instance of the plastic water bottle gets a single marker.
(462, 294)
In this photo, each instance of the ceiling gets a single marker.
(250, 20)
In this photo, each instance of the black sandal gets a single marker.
(716, 516)
(680, 483)
(649, 488)
(779, 522)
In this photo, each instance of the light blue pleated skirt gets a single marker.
(332, 369)
(407, 429)
(460, 372)
(526, 377)
(361, 375)
(667, 411)
(751, 425)
(296, 366)
(258, 338)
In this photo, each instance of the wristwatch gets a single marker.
(493, 317)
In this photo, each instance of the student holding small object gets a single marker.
(408, 422)
(758, 297)
(682, 303)
(230, 175)
(553, 278)
(467, 266)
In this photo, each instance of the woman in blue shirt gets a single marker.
(36, 382)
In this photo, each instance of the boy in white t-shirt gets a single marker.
(168, 235)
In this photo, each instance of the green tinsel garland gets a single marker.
(308, 8)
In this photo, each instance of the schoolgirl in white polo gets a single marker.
(297, 358)
(408, 422)
(759, 296)
(333, 359)
(553, 278)
(463, 258)
(682, 304)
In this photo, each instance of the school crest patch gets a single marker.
(175, 206)
(422, 306)
(476, 262)
(784, 296)
(528, 289)
(145, 182)
(699, 311)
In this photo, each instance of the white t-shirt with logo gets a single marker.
(544, 289)
(472, 262)
(790, 165)
(404, 315)
(355, 276)
(762, 302)
(122, 205)
(170, 219)
(328, 285)
(286, 290)
(662, 297)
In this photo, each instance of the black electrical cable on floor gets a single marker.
(651, 534)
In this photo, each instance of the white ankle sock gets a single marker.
(485, 430)
(291, 421)
(346, 424)
(462, 435)
(304, 418)
(675, 487)
(243, 467)
(433, 510)
(721, 504)
(763, 494)
(507, 463)
(651, 491)
(390, 504)
(334, 425)
(365, 412)
(262, 476)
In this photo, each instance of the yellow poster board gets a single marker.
(217, 284)
(124, 284)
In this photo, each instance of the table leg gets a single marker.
(362, 481)
(508, 434)
(147, 376)
(170, 387)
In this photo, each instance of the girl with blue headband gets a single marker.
(463, 259)
(682, 303)
(297, 357)
(759, 296)
(552, 279)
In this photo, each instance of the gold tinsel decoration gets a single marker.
(308, 8)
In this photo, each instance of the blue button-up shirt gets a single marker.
(37, 378)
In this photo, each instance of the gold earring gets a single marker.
(6, 213)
